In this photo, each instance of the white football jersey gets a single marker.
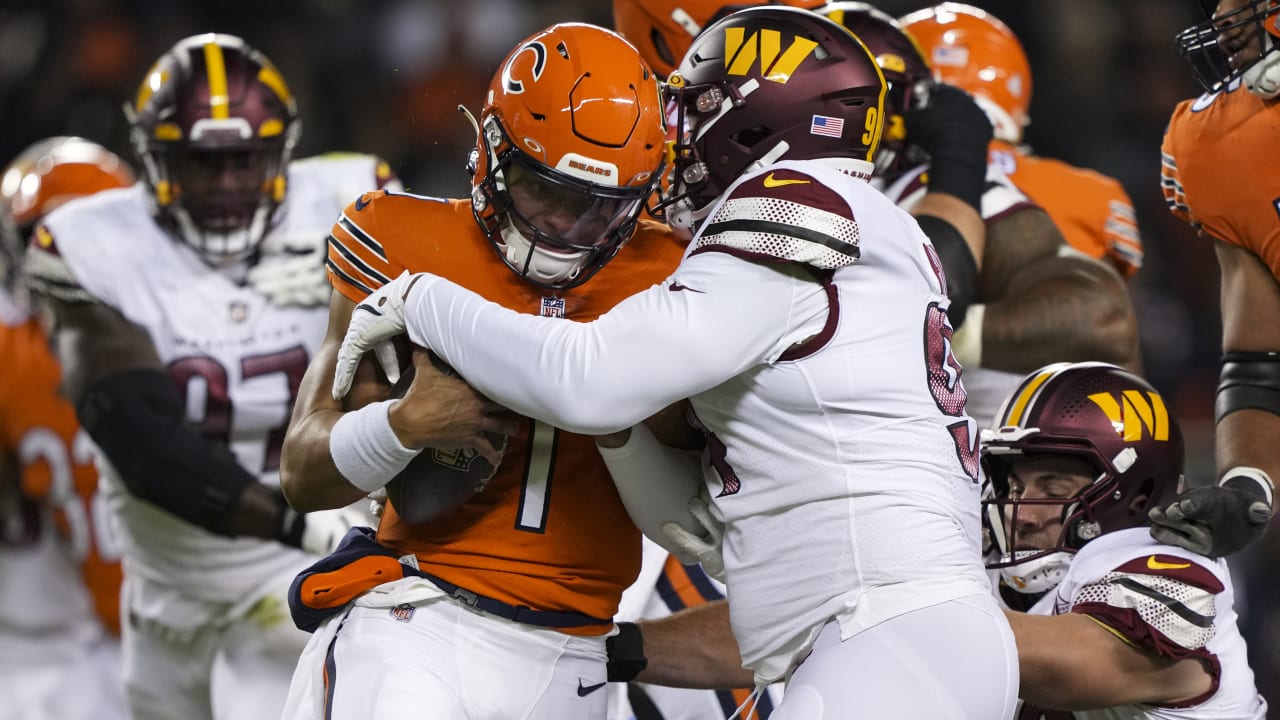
(236, 358)
(840, 456)
(987, 388)
(1170, 602)
(846, 459)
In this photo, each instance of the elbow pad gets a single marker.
(958, 265)
(136, 419)
(1249, 380)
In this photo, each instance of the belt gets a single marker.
(515, 613)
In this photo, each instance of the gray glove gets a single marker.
(1220, 520)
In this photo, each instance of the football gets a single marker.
(437, 481)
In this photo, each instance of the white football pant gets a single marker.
(952, 661)
(437, 658)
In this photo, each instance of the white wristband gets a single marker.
(1257, 475)
(966, 343)
(366, 450)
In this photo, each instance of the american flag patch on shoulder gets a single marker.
(826, 125)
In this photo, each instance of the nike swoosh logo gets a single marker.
(361, 203)
(585, 690)
(1155, 564)
(675, 286)
(770, 182)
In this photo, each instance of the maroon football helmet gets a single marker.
(903, 64)
(214, 126)
(1102, 414)
(766, 84)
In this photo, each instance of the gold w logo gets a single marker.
(1133, 411)
(741, 53)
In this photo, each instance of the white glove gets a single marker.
(290, 269)
(702, 549)
(324, 529)
(374, 322)
(377, 501)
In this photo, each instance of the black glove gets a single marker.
(626, 653)
(955, 132)
(1220, 520)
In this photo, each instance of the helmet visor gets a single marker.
(564, 213)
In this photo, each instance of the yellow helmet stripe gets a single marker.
(271, 78)
(1019, 406)
(156, 78)
(216, 66)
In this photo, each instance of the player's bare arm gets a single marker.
(1044, 305)
(1070, 308)
(1250, 323)
(436, 411)
(1014, 241)
(1072, 662)
(693, 648)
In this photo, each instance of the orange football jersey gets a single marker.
(549, 531)
(1216, 172)
(38, 427)
(1092, 210)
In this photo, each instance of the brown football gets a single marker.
(437, 481)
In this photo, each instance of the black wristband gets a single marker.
(626, 653)
(289, 522)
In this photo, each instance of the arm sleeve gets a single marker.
(716, 317)
(655, 483)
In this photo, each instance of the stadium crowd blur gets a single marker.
(386, 76)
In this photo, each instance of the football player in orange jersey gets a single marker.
(500, 608)
(1211, 141)
(1208, 141)
(791, 325)
(56, 659)
(973, 50)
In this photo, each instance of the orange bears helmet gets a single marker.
(210, 108)
(971, 49)
(663, 30)
(45, 175)
(571, 142)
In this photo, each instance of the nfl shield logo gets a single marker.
(403, 613)
(552, 307)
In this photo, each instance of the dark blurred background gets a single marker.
(385, 76)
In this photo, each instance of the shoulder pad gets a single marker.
(48, 273)
(784, 216)
(1169, 609)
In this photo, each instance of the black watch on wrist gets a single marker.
(626, 653)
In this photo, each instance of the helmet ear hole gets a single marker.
(752, 136)
(664, 50)
(1142, 498)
